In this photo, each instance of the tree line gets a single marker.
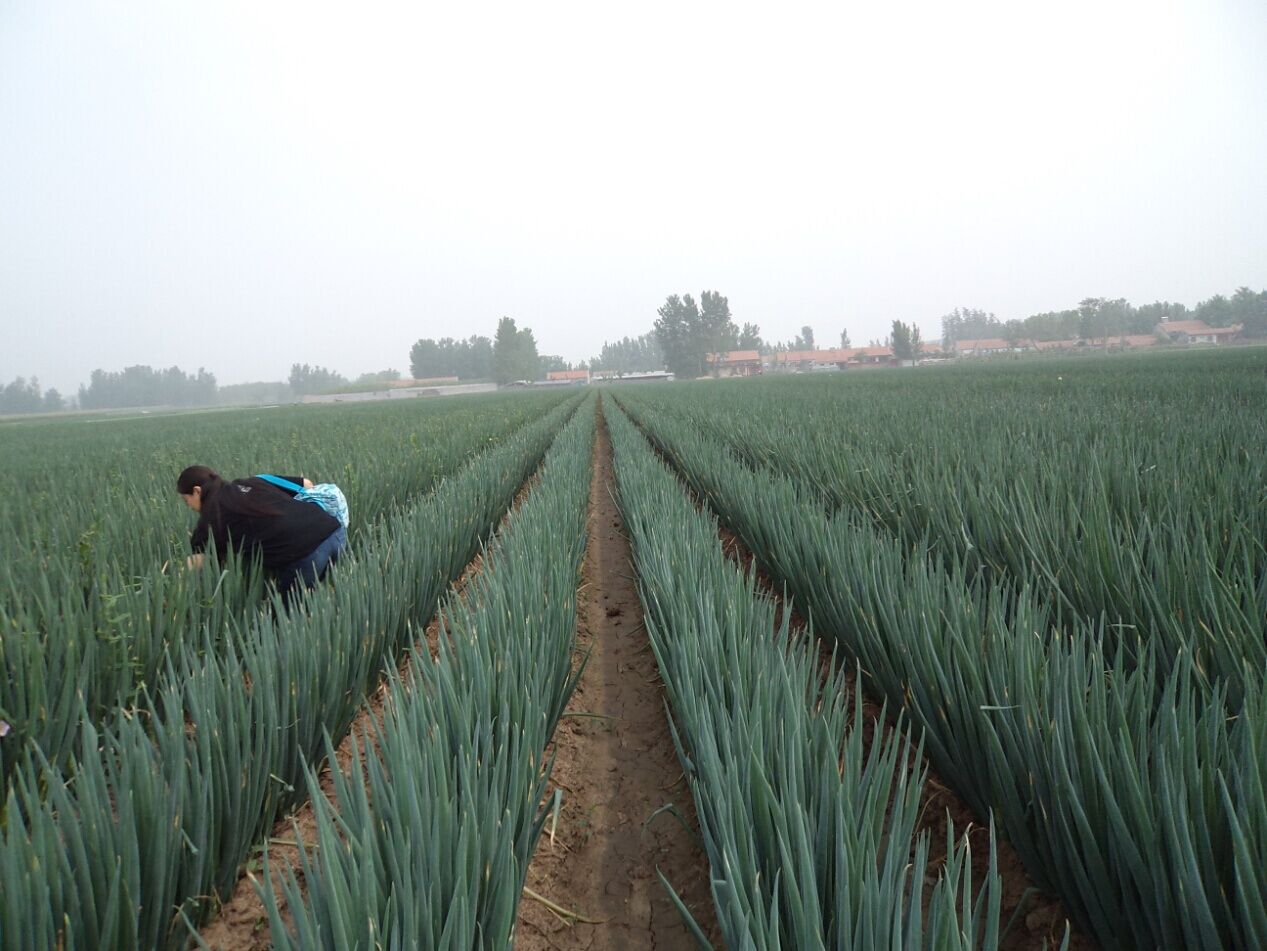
(469, 359)
(685, 332)
(136, 386)
(25, 396)
(144, 386)
(630, 355)
(509, 357)
(681, 337)
(1101, 317)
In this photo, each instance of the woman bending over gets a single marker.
(296, 541)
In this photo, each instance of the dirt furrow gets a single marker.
(617, 767)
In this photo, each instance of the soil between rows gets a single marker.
(615, 773)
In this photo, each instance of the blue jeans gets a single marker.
(311, 568)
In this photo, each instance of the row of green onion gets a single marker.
(157, 810)
(1125, 788)
(813, 835)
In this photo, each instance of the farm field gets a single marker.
(954, 657)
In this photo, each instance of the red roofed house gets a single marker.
(579, 377)
(1044, 346)
(873, 356)
(796, 361)
(841, 356)
(1125, 342)
(735, 363)
(1197, 331)
(930, 351)
(803, 361)
(985, 347)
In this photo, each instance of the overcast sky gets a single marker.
(243, 186)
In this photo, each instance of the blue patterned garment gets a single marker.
(326, 494)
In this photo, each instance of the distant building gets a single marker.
(638, 376)
(986, 346)
(793, 361)
(840, 358)
(428, 381)
(575, 377)
(1196, 331)
(1138, 340)
(931, 351)
(734, 363)
(873, 357)
(409, 392)
(1047, 346)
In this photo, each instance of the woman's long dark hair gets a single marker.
(202, 477)
(229, 496)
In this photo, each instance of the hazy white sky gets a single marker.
(242, 186)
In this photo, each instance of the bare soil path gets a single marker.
(615, 772)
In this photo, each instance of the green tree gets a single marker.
(1014, 332)
(529, 356)
(805, 339)
(967, 323)
(426, 360)
(22, 396)
(145, 386)
(688, 333)
(1091, 320)
(515, 353)
(901, 342)
(475, 358)
(551, 363)
(1115, 316)
(676, 330)
(844, 339)
(1052, 325)
(470, 359)
(1099, 318)
(1217, 311)
(716, 332)
(630, 355)
(507, 366)
(750, 338)
(305, 379)
(1250, 311)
